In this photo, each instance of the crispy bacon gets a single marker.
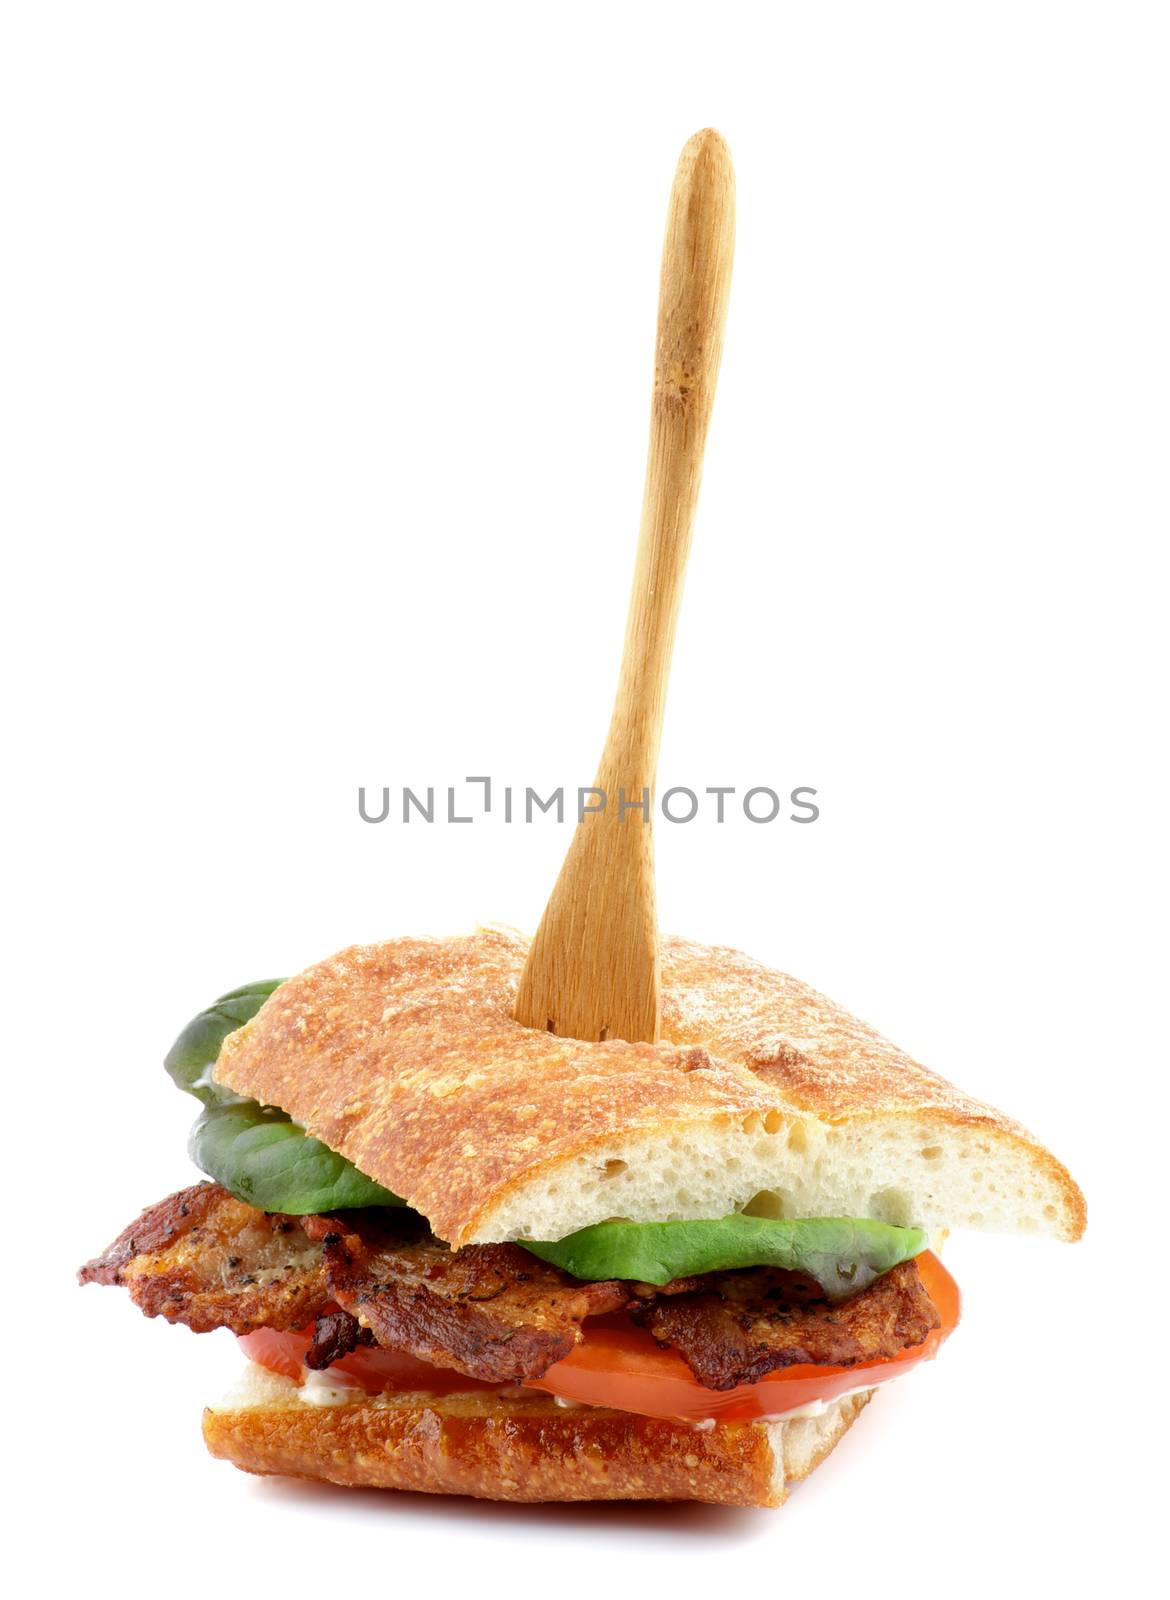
(334, 1336)
(204, 1258)
(491, 1311)
(742, 1325)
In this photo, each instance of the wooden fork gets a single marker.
(592, 971)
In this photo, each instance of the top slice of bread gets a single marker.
(406, 1058)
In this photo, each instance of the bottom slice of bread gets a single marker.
(518, 1446)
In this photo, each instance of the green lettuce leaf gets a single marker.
(265, 1159)
(843, 1254)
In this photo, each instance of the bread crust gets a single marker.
(405, 1057)
(523, 1448)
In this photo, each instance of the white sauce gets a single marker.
(320, 1389)
(814, 1408)
(333, 1389)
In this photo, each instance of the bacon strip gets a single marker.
(743, 1325)
(493, 1311)
(206, 1259)
(334, 1336)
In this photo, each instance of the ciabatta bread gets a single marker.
(406, 1058)
(525, 1448)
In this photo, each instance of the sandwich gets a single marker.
(464, 1256)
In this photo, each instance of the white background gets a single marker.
(327, 335)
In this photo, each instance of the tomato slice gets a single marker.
(369, 1368)
(622, 1367)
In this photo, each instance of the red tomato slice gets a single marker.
(369, 1367)
(620, 1366)
(624, 1368)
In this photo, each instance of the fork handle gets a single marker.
(692, 310)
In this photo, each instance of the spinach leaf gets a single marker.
(263, 1158)
(257, 1152)
(193, 1054)
(843, 1254)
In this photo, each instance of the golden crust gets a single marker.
(523, 1448)
(405, 1057)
